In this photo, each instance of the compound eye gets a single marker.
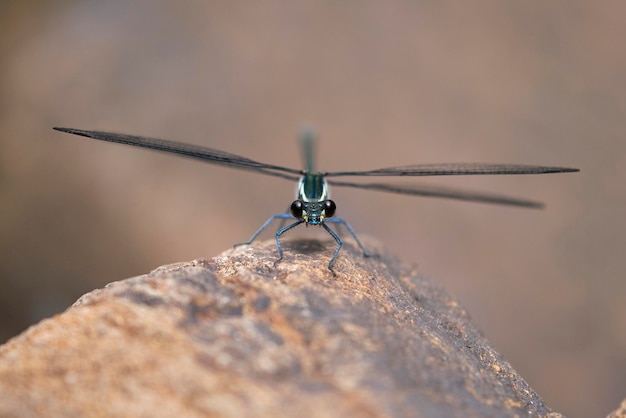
(297, 208)
(329, 208)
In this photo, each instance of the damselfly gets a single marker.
(312, 205)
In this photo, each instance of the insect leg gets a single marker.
(339, 245)
(282, 231)
(265, 225)
(351, 231)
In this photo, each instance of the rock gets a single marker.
(619, 412)
(236, 336)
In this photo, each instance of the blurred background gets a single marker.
(385, 84)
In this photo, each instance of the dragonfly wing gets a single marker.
(188, 150)
(443, 192)
(455, 170)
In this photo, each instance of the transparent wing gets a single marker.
(455, 170)
(444, 192)
(188, 150)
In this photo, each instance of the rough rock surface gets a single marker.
(236, 336)
(619, 412)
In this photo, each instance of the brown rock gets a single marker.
(236, 336)
(619, 412)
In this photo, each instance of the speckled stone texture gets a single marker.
(620, 412)
(236, 336)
